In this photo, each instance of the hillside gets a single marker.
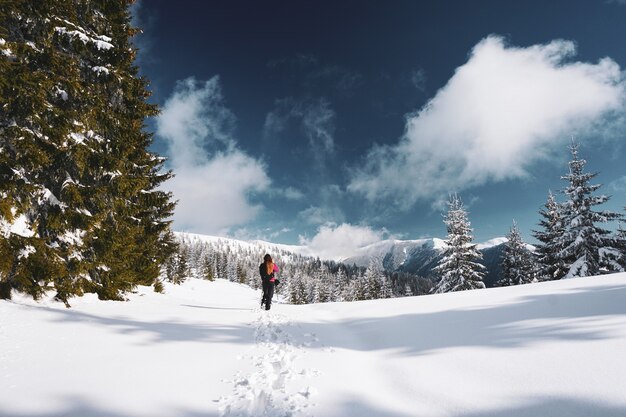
(417, 257)
(204, 349)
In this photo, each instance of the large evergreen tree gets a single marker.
(459, 269)
(517, 261)
(550, 264)
(585, 248)
(81, 209)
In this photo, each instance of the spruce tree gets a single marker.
(550, 265)
(620, 239)
(386, 287)
(585, 248)
(75, 170)
(297, 290)
(459, 269)
(407, 290)
(374, 279)
(208, 267)
(517, 261)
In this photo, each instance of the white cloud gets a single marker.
(502, 111)
(321, 214)
(341, 241)
(418, 79)
(315, 117)
(214, 179)
(618, 185)
(292, 193)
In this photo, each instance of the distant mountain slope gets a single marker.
(422, 255)
(418, 256)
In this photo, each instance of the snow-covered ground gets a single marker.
(205, 349)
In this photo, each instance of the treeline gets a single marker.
(303, 279)
(573, 240)
(573, 243)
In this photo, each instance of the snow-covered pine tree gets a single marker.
(374, 279)
(242, 276)
(208, 266)
(585, 248)
(349, 290)
(360, 287)
(550, 265)
(621, 244)
(321, 289)
(334, 281)
(76, 175)
(407, 290)
(517, 261)
(386, 287)
(297, 289)
(459, 269)
(231, 269)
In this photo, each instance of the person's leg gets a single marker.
(264, 298)
(269, 295)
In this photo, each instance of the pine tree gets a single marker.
(407, 290)
(75, 168)
(386, 288)
(459, 268)
(349, 290)
(297, 290)
(373, 279)
(360, 287)
(550, 265)
(620, 239)
(242, 277)
(585, 248)
(208, 267)
(517, 261)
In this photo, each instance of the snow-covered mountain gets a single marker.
(417, 256)
(260, 246)
(421, 256)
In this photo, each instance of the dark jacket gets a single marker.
(265, 277)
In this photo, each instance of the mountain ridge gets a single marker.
(415, 256)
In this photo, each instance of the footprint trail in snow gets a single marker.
(274, 388)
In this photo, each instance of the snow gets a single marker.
(491, 243)
(77, 137)
(100, 70)
(26, 251)
(98, 41)
(51, 198)
(205, 349)
(102, 44)
(20, 227)
(61, 93)
(85, 212)
(252, 245)
(73, 237)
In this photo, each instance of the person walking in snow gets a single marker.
(267, 270)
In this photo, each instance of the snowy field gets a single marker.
(204, 349)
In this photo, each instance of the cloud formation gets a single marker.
(214, 178)
(315, 117)
(502, 111)
(338, 242)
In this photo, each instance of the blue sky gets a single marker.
(310, 122)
